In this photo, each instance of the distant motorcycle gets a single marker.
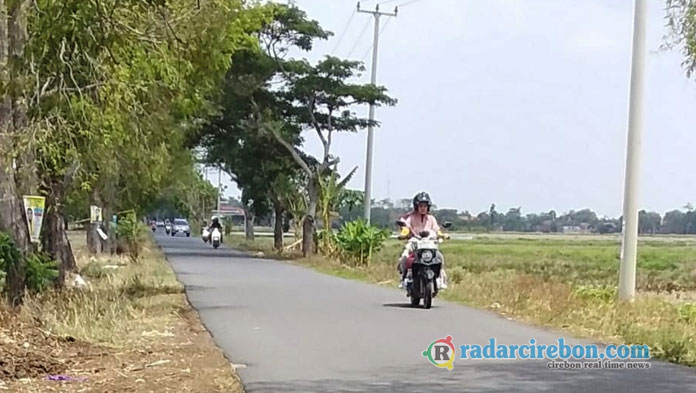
(423, 267)
(215, 238)
(168, 228)
(205, 235)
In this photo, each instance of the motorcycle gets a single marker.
(168, 228)
(423, 267)
(205, 235)
(215, 238)
(153, 226)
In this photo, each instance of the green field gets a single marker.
(562, 282)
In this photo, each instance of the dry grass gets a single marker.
(132, 330)
(123, 299)
(562, 283)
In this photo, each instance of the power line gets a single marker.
(357, 41)
(406, 3)
(340, 38)
(367, 52)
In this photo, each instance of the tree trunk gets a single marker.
(94, 243)
(308, 224)
(25, 175)
(12, 216)
(278, 227)
(55, 237)
(110, 242)
(249, 224)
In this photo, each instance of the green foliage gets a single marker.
(269, 100)
(121, 85)
(330, 189)
(681, 22)
(604, 294)
(687, 312)
(42, 272)
(358, 241)
(132, 231)
(9, 256)
(9, 253)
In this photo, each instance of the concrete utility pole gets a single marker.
(219, 190)
(629, 247)
(368, 165)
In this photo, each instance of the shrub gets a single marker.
(358, 241)
(9, 255)
(687, 313)
(604, 294)
(42, 272)
(133, 233)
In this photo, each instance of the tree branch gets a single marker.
(317, 127)
(263, 125)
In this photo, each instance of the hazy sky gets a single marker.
(515, 102)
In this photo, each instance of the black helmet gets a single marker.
(215, 219)
(421, 197)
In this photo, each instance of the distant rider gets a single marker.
(216, 224)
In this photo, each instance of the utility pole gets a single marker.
(219, 190)
(629, 246)
(370, 130)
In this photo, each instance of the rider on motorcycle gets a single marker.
(417, 221)
(216, 224)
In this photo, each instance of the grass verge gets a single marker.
(568, 284)
(131, 330)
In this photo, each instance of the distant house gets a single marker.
(466, 217)
(571, 229)
(234, 214)
(227, 210)
(582, 228)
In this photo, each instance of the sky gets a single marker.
(521, 103)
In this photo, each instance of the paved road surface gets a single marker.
(297, 330)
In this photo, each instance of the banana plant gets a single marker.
(330, 190)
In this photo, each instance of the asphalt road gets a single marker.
(296, 330)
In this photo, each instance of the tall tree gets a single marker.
(12, 216)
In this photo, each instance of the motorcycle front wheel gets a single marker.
(416, 287)
(428, 295)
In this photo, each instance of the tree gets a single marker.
(674, 222)
(493, 217)
(261, 167)
(320, 97)
(110, 89)
(649, 222)
(314, 98)
(513, 220)
(12, 215)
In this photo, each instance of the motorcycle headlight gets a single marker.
(427, 256)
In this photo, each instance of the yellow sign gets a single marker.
(35, 214)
